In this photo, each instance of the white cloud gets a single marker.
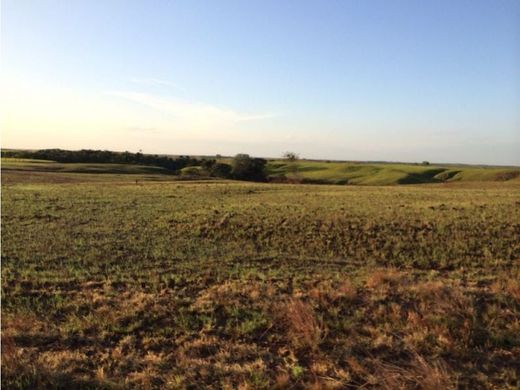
(154, 82)
(193, 115)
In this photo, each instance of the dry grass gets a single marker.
(303, 327)
(327, 293)
(384, 278)
(420, 374)
(512, 288)
(9, 354)
(282, 381)
(113, 285)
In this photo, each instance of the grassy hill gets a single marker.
(317, 172)
(385, 173)
(18, 164)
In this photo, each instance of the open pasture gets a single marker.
(111, 284)
(365, 173)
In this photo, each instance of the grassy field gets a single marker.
(17, 164)
(387, 173)
(313, 172)
(112, 283)
(15, 170)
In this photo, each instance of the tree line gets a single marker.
(242, 166)
(103, 156)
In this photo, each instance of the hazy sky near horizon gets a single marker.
(357, 80)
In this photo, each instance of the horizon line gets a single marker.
(326, 160)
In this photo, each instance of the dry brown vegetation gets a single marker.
(304, 330)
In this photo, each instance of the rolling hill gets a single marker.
(384, 173)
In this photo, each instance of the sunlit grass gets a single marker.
(118, 283)
(386, 174)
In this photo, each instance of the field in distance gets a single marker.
(109, 282)
(301, 171)
(15, 170)
(387, 173)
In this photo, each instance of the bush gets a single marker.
(220, 170)
(243, 167)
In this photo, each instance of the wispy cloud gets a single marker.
(141, 129)
(155, 82)
(195, 114)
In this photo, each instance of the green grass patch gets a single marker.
(385, 174)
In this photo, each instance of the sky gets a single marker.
(372, 80)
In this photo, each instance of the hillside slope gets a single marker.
(16, 164)
(384, 173)
(303, 171)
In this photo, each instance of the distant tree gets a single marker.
(244, 167)
(292, 159)
(221, 170)
(290, 156)
(207, 164)
(425, 163)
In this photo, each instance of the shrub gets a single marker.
(220, 170)
(304, 329)
(243, 167)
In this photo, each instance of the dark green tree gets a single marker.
(244, 167)
(221, 170)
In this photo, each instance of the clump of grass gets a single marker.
(346, 290)
(327, 293)
(282, 380)
(384, 277)
(9, 356)
(303, 327)
(419, 374)
(513, 288)
(507, 288)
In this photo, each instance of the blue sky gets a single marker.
(358, 80)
